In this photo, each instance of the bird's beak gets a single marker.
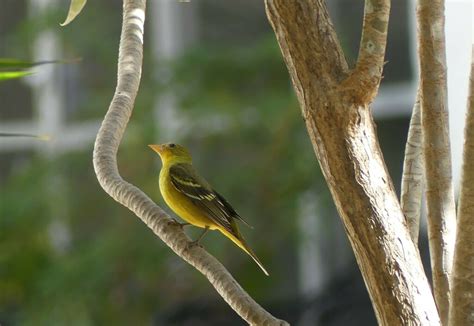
(157, 148)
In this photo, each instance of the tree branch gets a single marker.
(343, 136)
(461, 310)
(105, 165)
(412, 178)
(363, 82)
(436, 148)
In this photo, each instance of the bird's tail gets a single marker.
(240, 242)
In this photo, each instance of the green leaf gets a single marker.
(5, 75)
(74, 10)
(12, 63)
(11, 68)
(15, 134)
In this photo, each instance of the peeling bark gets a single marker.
(343, 135)
(105, 165)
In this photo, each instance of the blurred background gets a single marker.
(213, 80)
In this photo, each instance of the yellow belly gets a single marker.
(182, 205)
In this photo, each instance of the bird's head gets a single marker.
(172, 153)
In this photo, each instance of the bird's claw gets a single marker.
(196, 242)
(193, 244)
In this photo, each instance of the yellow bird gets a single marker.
(192, 198)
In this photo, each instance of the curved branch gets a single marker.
(461, 310)
(105, 165)
(412, 178)
(363, 82)
(436, 148)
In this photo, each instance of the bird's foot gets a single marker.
(196, 242)
(176, 223)
(193, 244)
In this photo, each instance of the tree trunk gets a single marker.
(461, 310)
(436, 148)
(334, 104)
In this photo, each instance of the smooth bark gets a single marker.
(105, 165)
(342, 132)
(461, 310)
(412, 177)
(436, 148)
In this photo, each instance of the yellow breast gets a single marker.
(181, 204)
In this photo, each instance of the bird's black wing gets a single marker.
(230, 209)
(185, 179)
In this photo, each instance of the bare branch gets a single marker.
(436, 148)
(344, 139)
(461, 309)
(105, 165)
(364, 80)
(412, 178)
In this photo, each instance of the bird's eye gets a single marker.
(172, 145)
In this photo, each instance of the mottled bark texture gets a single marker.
(412, 177)
(461, 310)
(436, 148)
(364, 80)
(335, 108)
(105, 165)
